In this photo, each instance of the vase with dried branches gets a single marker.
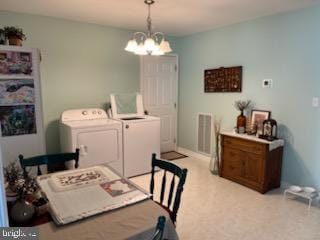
(215, 158)
(241, 105)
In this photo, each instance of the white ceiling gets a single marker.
(174, 17)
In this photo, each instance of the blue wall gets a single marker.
(285, 48)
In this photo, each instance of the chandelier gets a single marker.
(148, 43)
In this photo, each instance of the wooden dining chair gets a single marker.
(158, 234)
(176, 171)
(49, 160)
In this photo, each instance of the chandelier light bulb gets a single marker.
(140, 50)
(149, 45)
(131, 46)
(165, 46)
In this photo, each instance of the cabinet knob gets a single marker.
(127, 126)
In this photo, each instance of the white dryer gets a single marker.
(141, 133)
(98, 137)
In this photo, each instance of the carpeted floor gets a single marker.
(172, 155)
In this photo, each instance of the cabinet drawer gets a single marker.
(242, 165)
(233, 162)
(244, 145)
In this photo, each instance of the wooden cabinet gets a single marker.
(252, 163)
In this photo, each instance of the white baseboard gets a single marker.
(193, 154)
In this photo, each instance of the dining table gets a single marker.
(134, 221)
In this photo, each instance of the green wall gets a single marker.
(285, 48)
(81, 65)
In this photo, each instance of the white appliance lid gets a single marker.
(92, 123)
(83, 114)
(118, 102)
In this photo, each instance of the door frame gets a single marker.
(4, 222)
(177, 91)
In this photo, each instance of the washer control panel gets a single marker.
(83, 114)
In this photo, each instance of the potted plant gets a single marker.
(241, 119)
(12, 173)
(15, 35)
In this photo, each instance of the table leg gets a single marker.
(310, 201)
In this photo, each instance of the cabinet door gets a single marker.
(253, 167)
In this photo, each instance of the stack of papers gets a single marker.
(77, 194)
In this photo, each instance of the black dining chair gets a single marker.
(158, 234)
(176, 171)
(52, 161)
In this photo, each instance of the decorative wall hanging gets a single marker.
(223, 79)
(16, 91)
(17, 120)
(14, 62)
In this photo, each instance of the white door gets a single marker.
(159, 84)
(140, 140)
(101, 147)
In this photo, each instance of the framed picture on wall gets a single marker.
(257, 118)
(14, 62)
(17, 120)
(16, 91)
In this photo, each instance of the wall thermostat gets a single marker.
(267, 83)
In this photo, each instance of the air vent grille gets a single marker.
(204, 133)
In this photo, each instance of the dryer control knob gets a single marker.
(84, 112)
(127, 126)
(99, 112)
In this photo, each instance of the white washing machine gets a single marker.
(141, 135)
(98, 137)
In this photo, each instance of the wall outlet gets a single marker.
(315, 102)
(267, 83)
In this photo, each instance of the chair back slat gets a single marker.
(181, 173)
(171, 190)
(48, 159)
(39, 170)
(152, 183)
(163, 186)
(177, 200)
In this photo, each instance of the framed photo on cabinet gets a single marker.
(257, 118)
